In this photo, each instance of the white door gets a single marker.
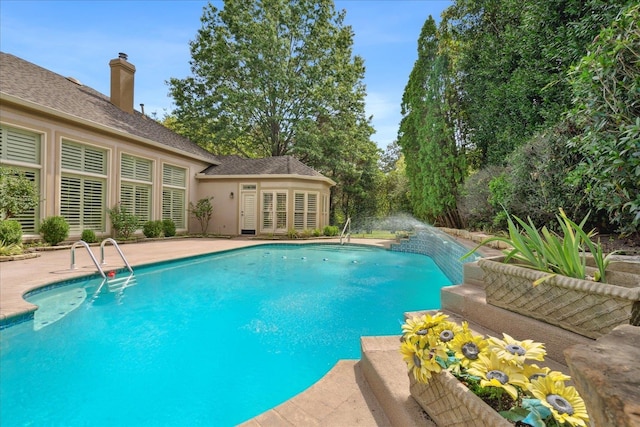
(248, 213)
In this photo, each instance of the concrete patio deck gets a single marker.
(340, 398)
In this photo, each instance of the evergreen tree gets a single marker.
(434, 161)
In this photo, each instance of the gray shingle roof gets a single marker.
(29, 82)
(282, 165)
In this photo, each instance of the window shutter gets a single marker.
(29, 219)
(174, 176)
(70, 197)
(298, 211)
(127, 197)
(135, 168)
(281, 211)
(312, 211)
(93, 203)
(20, 146)
(143, 202)
(95, 161)
(267, 211)
(82, 158)
(71, 156)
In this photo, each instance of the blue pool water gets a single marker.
(209, 341)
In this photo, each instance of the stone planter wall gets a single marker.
(588, 308)
(450, 404)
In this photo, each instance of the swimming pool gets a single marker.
(211, 340)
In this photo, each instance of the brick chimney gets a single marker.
(122, 82)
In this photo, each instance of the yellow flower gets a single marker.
(533, 371)
(446, 331)
(418, 325)
(421, 362)
(468, 346)
(565, 403)
(515, 351)
(495, 372)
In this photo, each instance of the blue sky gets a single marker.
(79, 38)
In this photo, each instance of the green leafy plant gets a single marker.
(124, 223)
(168, 227)
(89, 236)
(10, 232)
(330, 230)
(498, 370)
(152, 229)
(54, 229)
(8, 249)
(547, 251)
(317, 232)
(202, 211)
(17, 193)
(292, 233)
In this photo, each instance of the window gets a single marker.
(305, 214)
(274, 212)
(174, 182)
(83, 184)
(136, 186)
(20, 150)
(325, 209)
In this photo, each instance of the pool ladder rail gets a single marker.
(93, 258)
(346, 232)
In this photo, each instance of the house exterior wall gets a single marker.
(54, 130)
(228, 212)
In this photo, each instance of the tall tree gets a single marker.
(264, 72)
(606, 85)
(434, 160)
(511, 62)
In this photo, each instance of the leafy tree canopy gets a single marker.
(266, 71)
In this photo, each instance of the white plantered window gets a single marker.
(136, 186)
(305, 214)
(83, 184)
(174, 190)
(274, 211)
(20, 150)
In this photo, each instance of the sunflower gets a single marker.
(515, 351)
(495, 372)
(446, 331)
(533, 371)
(421, 362)
(565, 403)
(416, 328)
(468, 346)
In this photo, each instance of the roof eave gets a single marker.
(5, 97)
(329, 181)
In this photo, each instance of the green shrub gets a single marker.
(292, 234)
(153, 229)
(316, 232)
(18, 194)
(124, 223)
(543, 250)
(474, 205)
(330, 230)
(306, 233)
(54, 230)
(168, 228)
(202, 210)
(89, 236)
(10, 232)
